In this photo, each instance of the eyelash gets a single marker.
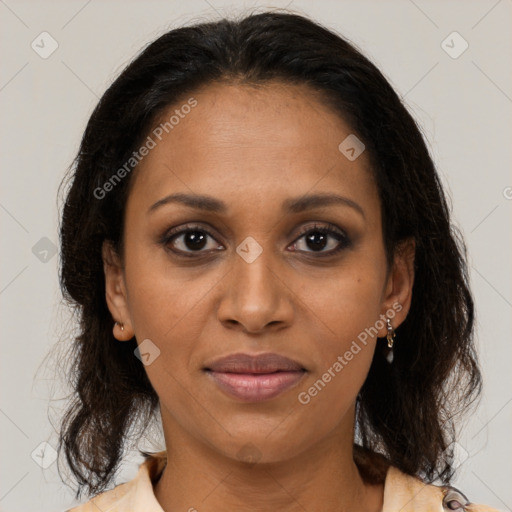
(328, 229)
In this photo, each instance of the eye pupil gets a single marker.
(318, 239)
(195, 239)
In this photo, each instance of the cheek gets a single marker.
(343, 357)
(171, 314)
(345, 312)
(168, 308)
(162, 297)
(344, 306)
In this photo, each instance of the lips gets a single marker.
(255, 378)
(261, 363)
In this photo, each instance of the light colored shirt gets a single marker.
(402, 493)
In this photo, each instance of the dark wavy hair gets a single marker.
(406, 409)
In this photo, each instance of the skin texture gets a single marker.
(253, 148)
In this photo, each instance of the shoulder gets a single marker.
(405, 493)
(108, 500)
(137, 494)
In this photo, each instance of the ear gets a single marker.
(115, 292)
(398, 290)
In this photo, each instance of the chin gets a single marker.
(262, 442)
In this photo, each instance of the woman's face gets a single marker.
(252, 275)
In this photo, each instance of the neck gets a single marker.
(199, 478)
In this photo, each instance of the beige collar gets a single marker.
(402, 493)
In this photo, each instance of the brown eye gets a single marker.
(189, 240)
(193, 240)
(317, 238)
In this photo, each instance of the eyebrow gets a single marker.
(292, 205)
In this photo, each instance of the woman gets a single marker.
(261, 253)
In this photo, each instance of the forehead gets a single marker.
(270, 140)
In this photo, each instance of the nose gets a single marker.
(256, 295)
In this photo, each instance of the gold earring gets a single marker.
(391, 333)
(121, 325)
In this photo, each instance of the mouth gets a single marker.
(255, 378)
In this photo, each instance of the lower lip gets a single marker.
(251, 387)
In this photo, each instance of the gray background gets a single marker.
(463, 104)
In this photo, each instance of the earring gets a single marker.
(122, 336)
(390, 337)
(391, 333)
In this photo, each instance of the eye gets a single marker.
(317, 237)
(188, 239)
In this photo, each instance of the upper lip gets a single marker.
(261, 363)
